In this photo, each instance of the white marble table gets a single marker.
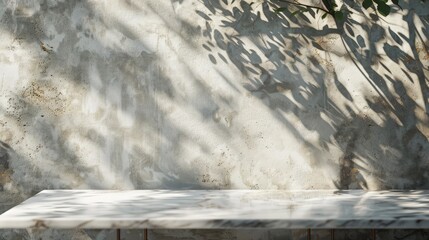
(197, 209)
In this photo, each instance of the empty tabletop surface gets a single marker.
(195, 209)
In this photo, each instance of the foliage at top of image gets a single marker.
(383, 7)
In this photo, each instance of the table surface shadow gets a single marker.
(220, 209)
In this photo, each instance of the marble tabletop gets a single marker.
(194, 209)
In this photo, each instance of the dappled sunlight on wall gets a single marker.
(212, 94)
(359, 84)
(121, 95)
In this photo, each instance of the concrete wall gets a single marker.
(210, 94)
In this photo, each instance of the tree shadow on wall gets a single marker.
(293, 64)
(126, 86)
(360, 83)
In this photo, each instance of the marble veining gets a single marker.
(210, 209)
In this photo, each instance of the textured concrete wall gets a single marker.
(123, 94)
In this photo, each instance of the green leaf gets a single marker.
(296, 12)
(367, 3)
(383, 9)
(338, 15)
(324, 15)
(282, 9)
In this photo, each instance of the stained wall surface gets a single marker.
(210, 94)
